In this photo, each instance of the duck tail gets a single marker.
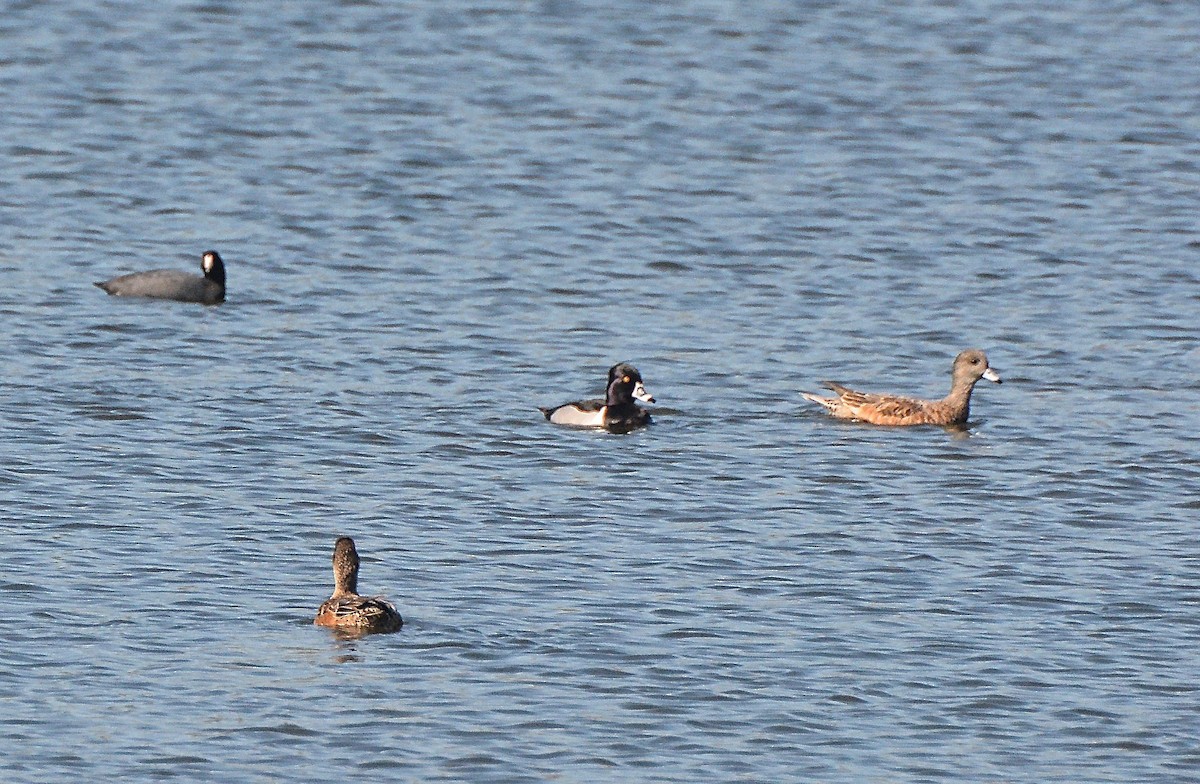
(827, 402)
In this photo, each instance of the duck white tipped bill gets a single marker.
(992, 375)
(640, 393)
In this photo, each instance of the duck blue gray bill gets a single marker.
(640, 393)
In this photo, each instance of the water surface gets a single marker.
(438, 217)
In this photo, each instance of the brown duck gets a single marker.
(346, 610)
(969, 366)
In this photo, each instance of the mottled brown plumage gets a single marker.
(345, 609)
(969, 366)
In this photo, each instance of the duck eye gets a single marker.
(626, 379)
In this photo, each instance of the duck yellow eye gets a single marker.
(626, 379)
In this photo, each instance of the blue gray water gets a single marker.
(439, 215)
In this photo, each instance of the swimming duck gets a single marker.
(208, 289)
(969, 366)
(345, 609)
(616, 412)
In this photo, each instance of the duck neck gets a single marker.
(619, 395)
(345, 582)
(959, 398)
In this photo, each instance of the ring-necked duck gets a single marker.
(969, 366)
(208, 289)
(617, 412)
(345, 609)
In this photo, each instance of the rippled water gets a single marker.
(437, 217)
